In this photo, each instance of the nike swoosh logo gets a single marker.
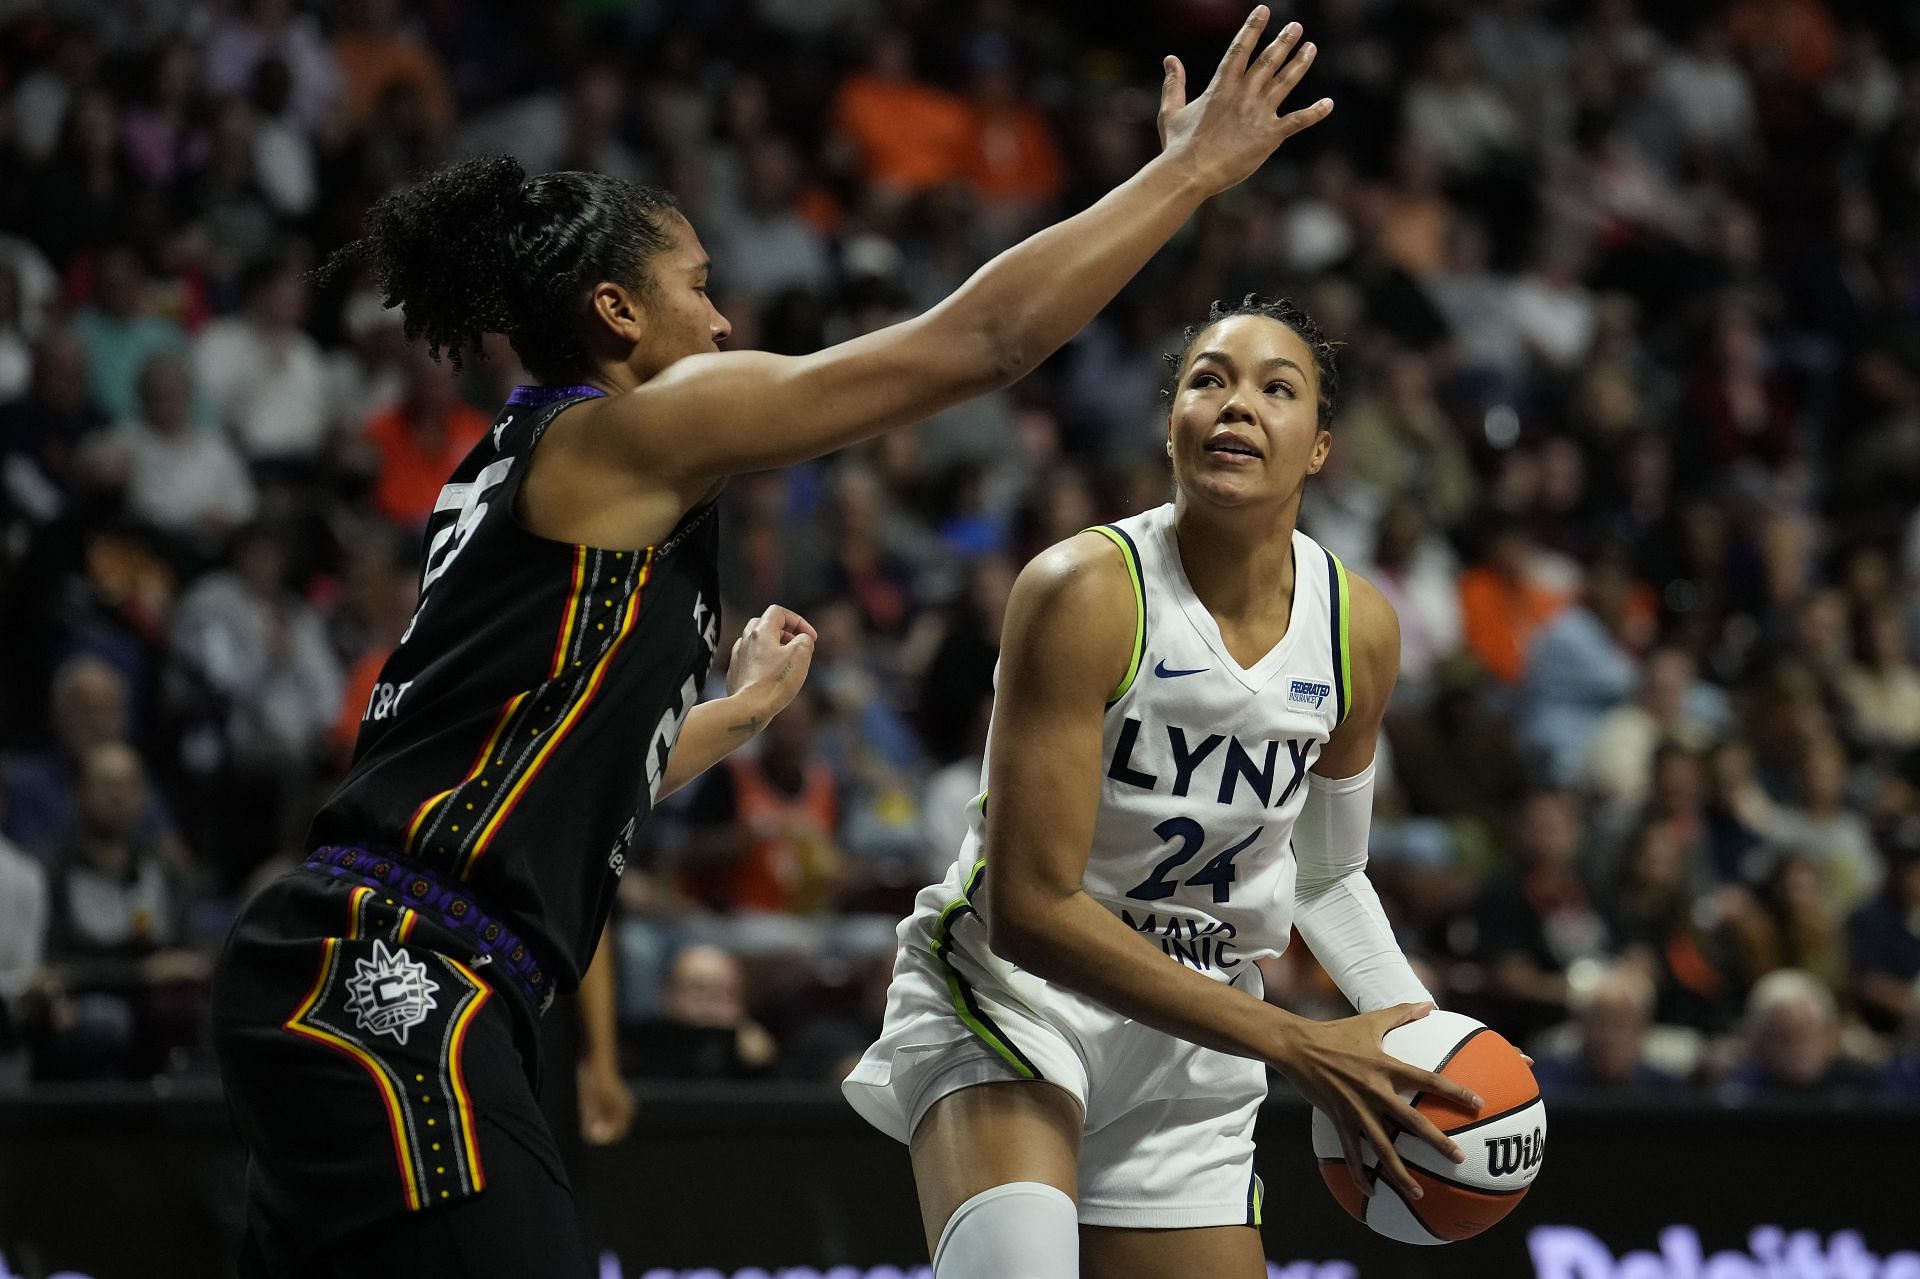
(1161, 670)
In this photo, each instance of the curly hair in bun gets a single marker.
(478, 247)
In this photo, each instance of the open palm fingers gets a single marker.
(1274, 55)
(1233, 63)
(1390, 1167)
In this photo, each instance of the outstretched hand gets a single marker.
(1234, 125)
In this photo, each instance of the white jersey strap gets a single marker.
(1131, 554)
(1341, 600)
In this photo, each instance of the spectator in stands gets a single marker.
(1537, 919)
(264, 29)
(118, 938)
(1013, 163)
(184, 479)
(77, 201)
(1709, 96)
(121, 333)
(1580, 666)
(229, 196)
(1671, 706)
(162, 135)
(1452, 112)
(1829, 833)
(252, 675)
(1881, 691)
(905, 134)
(576, 126)
(1400, 440)
(285, 164)
(42, 433)
(381, 592)
(769, 248)
(1612, 1012)
(1883, 940)
(1503, 604)
(88, 710)
(1657, 926)
(419, 440)
(264, 373)
(368, 372)
(1793, 1044)
(764, 825)
(702, 1030)
(1677, 803)
(959, 680)
(42, 101)
(1742, 409)
(1789, 924)
(375, 53)
(1415, 569)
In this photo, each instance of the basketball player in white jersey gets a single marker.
(1179, 773)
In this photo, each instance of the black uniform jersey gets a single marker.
(518, 734)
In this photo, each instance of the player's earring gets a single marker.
(1169, 448)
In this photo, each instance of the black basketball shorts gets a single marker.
(385, 1092)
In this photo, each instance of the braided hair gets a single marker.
(1283, 310)
(478, 247)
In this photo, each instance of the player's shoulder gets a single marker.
(1088, 571)
(1373, 630)
(1072, 617)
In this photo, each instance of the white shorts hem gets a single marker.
(1160, 1216)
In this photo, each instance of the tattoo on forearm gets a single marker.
(749, 725)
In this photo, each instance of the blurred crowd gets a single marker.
(1629, 304)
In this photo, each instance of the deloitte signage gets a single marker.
(1570, 1252)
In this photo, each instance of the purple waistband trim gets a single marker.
(535, 396)
(497, 951)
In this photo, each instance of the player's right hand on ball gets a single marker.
(1340, 1067)
(1235, 124)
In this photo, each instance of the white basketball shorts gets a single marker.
(1168, 1142)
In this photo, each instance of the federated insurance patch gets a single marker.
(390, 993)
(1308, 693)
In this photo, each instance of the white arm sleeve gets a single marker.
(1335, 908)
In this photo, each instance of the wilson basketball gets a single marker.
(1505, 1143)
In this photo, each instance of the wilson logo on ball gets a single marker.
(1522, 1153)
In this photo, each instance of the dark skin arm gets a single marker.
(625, 468)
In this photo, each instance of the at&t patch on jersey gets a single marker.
(1308, 693)
(391, 994)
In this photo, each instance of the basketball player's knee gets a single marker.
(1022, 1230)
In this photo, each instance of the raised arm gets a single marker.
(712, 415)
(1067, 642)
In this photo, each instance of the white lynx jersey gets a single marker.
(1204, 762)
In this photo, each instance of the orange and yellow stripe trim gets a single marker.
(425, 810)
(298, 1025)
(559, 731)
(463, 1102)
(575, 594)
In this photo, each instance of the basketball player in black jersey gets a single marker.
(375, 1009)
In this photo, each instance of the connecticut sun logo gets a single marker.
(391, 994)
